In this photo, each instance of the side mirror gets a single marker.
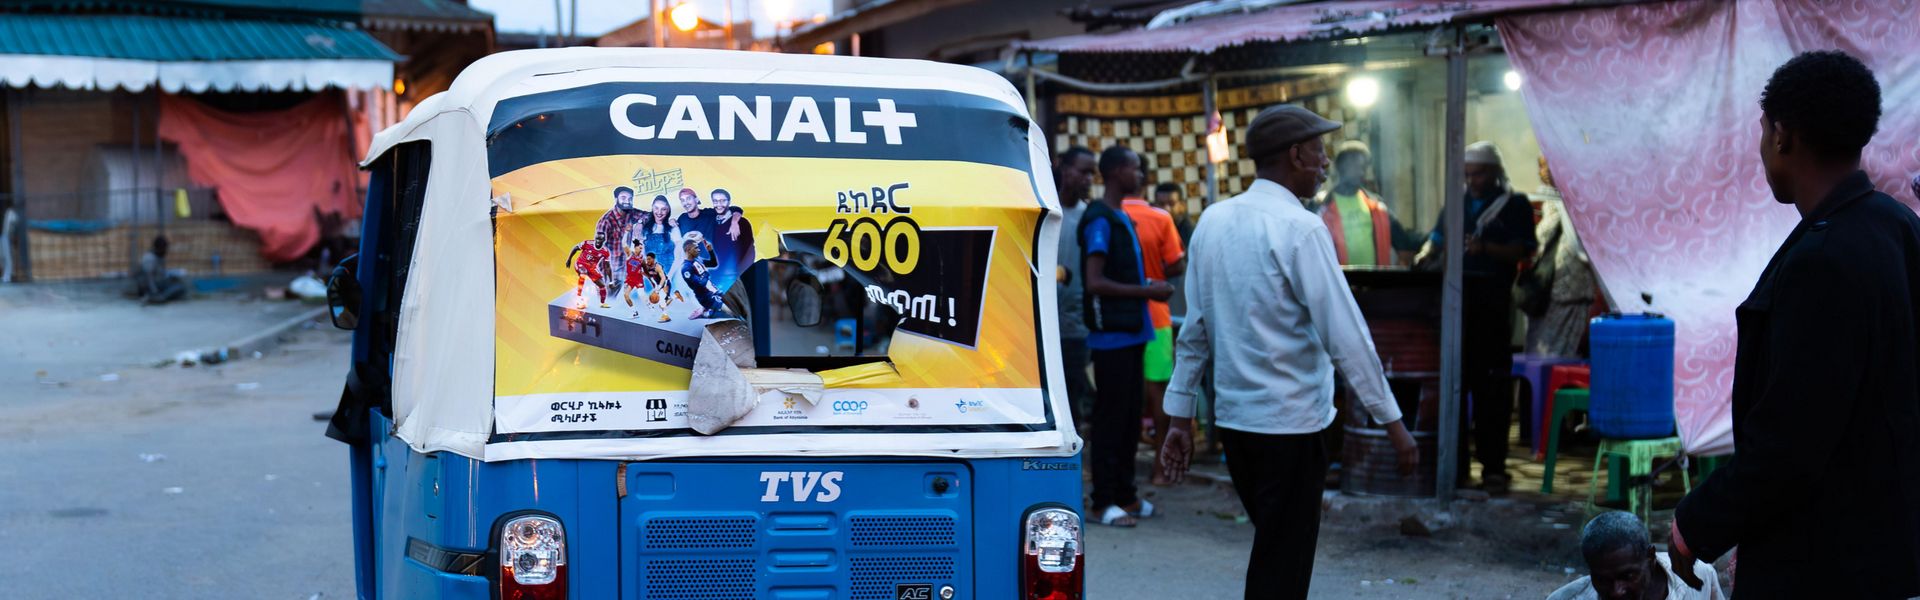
(803, 293)
(803, 301)
(343, 293)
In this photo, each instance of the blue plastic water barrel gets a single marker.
(1632, 376)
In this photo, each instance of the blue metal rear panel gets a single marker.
(706, 530)
(818, 529)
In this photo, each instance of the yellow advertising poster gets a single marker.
(610, 265)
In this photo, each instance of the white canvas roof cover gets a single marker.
(445, 360)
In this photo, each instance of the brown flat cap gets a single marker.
(1279, 127)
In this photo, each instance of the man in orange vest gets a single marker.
(1364, 231)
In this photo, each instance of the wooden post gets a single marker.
(1453, 222)
(133, 191)
(22, 257)
(1207, 105)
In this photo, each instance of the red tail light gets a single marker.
(511, 589)
(533, 559)
(1052, 565)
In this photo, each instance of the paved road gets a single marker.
(215, 482)
(179, 483)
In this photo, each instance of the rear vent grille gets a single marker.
(701, 533)
(901, 531)
(874, 578)
(702, 580)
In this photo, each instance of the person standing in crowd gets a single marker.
(1823, 497)
(1622, 565)
(1164, 258)
(1167, 197)
(1268, 308)
(1564, 275)
(1499, 236)
(1074, 180)
(1364, 231)
(1114, 295)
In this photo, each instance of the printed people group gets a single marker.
(652, 259)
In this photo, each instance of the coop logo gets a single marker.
(802, 486)
(969, 405)
(849, 407)
(656, 410)
(687, 115)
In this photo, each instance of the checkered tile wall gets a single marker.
(1175, 148)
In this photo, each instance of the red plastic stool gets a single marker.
(1562, 376)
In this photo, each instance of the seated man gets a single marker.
(1623, 564)
(152, 283)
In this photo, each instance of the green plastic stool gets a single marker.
(1566, 401)
(1639, 455)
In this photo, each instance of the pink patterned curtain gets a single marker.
(1649, 116)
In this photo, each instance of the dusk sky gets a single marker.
(601, 16)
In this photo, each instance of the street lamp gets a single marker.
(686, 16)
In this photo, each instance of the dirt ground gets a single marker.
(1494, 549)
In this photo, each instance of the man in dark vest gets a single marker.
(1822, 498)
(1114, 299)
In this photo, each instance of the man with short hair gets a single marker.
(1115, 290)
(733, 237)
(692, 218)
(1268, 308)
(610, 234)
(1364, 230)
(1623, 565)
(1074, 181)
(1168, 197)
(1823, 497)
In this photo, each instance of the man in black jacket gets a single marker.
(1823, 497)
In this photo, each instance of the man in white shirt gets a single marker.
(1268, 306)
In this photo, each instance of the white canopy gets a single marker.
(445, 362)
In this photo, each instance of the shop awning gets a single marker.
(185, 53)
(1297, 22)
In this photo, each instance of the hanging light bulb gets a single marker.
(1362, 92)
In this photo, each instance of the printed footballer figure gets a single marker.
(697, 273)
(646, 275)
(590, 256)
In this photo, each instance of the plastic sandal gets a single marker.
(1146, 510)
(1113, 514)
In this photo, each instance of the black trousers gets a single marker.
(1487, 371)
(1279, 479)
(1117, 378)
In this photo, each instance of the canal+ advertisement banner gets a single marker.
(626, 213)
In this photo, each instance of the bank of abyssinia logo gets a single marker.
(788, 402)
(656, 410)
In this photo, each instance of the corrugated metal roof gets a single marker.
(176, 39)
(268, 8)
(1296, 22)
(437, 10)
